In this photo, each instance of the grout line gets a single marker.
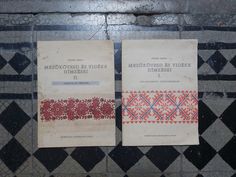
(106, 28)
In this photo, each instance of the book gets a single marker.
(76, 102)
(159, 92)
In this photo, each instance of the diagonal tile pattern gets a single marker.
(51, 158)
(3, 62)
(228, 152)
(19, 62)
(200, 61)
(162, 156)
(219, 130)
(88, 157)
(206, 116)
(200, 155)
(13, 154)
(13, 118)
(228, 117)
(233, 61)
(216, 121)
(125, 157)
(217, 61)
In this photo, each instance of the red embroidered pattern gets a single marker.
(160, 107)
(71, 109)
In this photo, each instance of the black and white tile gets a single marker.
(19, 155)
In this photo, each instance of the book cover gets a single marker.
(159, 92)
(76, 102)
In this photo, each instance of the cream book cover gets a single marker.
(76, 102)
(159, 92)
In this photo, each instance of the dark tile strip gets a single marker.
(217, 77)
(20, 78)
(123, 27)
(28, 78)
(119, 27)
(65, 27)
(15, 28)
(11, 46)
(201, 46)
(212, 28)
(117, 95)
(23, 96)
(216, 46)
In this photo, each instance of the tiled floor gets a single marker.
(214, 157)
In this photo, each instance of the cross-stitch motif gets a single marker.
(71, 109)
(160, 107)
